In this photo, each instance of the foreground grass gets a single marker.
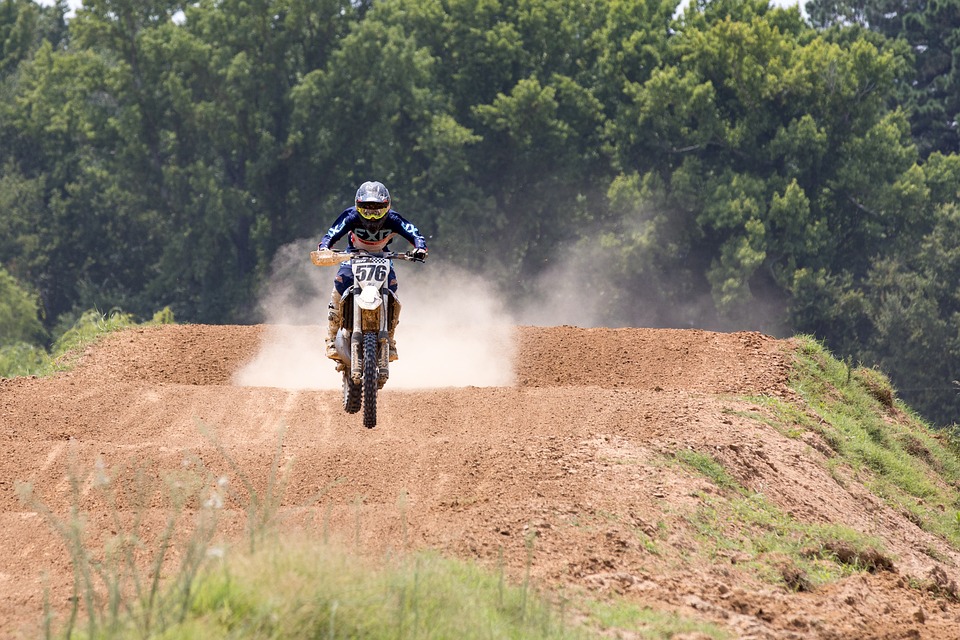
(306, 590)
(297, 588)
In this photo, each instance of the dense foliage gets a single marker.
(735, 165)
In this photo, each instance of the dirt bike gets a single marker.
(366, 314)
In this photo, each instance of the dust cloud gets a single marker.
(564, 293)
(453, 330)
(583, 286)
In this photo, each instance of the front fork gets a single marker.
(369, 319)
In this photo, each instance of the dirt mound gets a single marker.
(654, 359)
(576, 462)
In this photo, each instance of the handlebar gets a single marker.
(331, 258)
(396, 255)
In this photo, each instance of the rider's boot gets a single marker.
(333, 317)
(394, 319)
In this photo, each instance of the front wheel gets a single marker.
(370, 379)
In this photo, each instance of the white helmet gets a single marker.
(373, 203)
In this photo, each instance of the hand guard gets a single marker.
(325, 257)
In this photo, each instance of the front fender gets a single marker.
(370, 298)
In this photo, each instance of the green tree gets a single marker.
(775, 154)
(24, 25)
(373, 113)
(914, 312)
(928, 31)
(912, 307)
(169, 175)
(539, 138)
(522, 91)
(19, 320)
(63, 135)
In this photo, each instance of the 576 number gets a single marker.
(369, 272)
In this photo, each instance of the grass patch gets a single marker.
(308, 590)
(802, 557)
(787, 418)
(22, 359)
(746, 527)
(651, 623)
(707, 466)
(912, 467)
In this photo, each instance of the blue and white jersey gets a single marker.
(350, 222)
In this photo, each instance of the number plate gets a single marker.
(370, 271)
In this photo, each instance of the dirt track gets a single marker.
(573, 462)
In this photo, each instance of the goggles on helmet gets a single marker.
(372, 210)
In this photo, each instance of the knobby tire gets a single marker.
(370, 379)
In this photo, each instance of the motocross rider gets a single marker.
(370, 225)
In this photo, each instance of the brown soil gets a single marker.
(573, 467)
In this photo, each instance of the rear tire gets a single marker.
(351, 394)
(370, 379)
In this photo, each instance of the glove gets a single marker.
(419, 254)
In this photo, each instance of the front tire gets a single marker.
(370, 379)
